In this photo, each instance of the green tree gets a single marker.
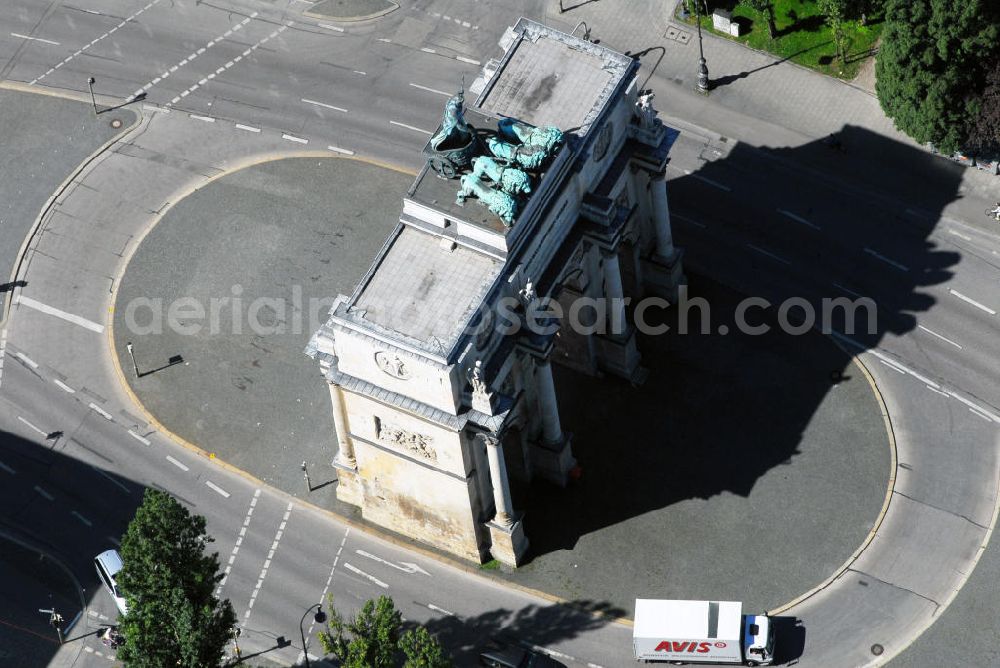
(984, 135)
(835, 12)
(932, 66)
(372, 639)
(173, 618)
(764, 9)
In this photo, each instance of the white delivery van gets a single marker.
(701, 632)
(108, 564)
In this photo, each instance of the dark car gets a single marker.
(512, 656)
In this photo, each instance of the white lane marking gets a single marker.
(7, 468)
(471, 61)
(936, 390)
(940, 337)
(364, 74)
(337, 149)
(971, 404)
(405, 566)
(324, 104)
(847, 290)
(68, 317)
(430, 90)
(236, 547)
(893, 367)
(3, 350)
(690, 221)
(181, 465)
(207, 119)
(240, 126)
(81, 518)
(715, 184)
(551, 652)
(410, 127)
(980, 414)
(297, 140)
(34, 39)
(44, 493)
(27, 360)
(891, 263)
(959, 235)
(263, 572)
(360, 572)
(139, 437)
(188, 60)
(798, 219)
(215, 488)
(99, 471)
(326, 588)
(384, 39)
(885, 359)
(426, 50)
(969, 300)
(330, 27)
(33, 427)
(100, 411)
(441, 610)
(769, 254)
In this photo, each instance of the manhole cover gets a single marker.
(116, 123)
(877, 649)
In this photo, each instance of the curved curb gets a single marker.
(5, 306)
(893, 462)
(465, 567)
(352, 19)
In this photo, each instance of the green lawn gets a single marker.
(802, 35)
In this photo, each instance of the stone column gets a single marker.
(661, 217)
(614, 293)
(551, 428)
(498, 477)
(345, 451)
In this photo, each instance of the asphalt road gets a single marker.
(883, 220)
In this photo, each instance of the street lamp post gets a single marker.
(131, 353)
(319, 618)
(93, 100)
(702, 66)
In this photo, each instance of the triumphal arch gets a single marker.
(545, 191)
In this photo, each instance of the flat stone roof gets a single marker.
(550, 78)
(425, 290)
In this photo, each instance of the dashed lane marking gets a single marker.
(43, 493)
(82, 519)
(980, 414)
(323, 104)
(248, 128)
(100, 411)
(63, 386)
(199, 117)
(967, 300)
(471, 61)
(3, 351)
(892, 263)
(63, 315)
(798, 219)
(426, 50)
(370, 578)
(960, 235)
(330, 27)
(139, 437)
(435, 608)
(297, 140)
(181, 465)
(215, 488)
(33, 427)
(8, 469)
(689, 220)
(970, 404)
(410, 127)
(34, 39)
(848, 290)
(337, 149)
(703, 179)
(430, 90)
(27, 360)
(943, 338)
(893, 367)
(768, 254)
(263, 572)
(113, 481)
(239, 542)
(326, 588)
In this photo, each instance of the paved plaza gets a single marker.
(738, 470)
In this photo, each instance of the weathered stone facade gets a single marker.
(431, 399)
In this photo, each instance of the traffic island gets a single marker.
(351, 10)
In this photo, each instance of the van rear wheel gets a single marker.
(752, 663)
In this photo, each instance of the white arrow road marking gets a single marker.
(404, 566)
(360, 572)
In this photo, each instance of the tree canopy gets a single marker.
(173, 618)
(985, 132)
(373, 639)
(932, 64)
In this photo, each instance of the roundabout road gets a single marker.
(900, 238)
